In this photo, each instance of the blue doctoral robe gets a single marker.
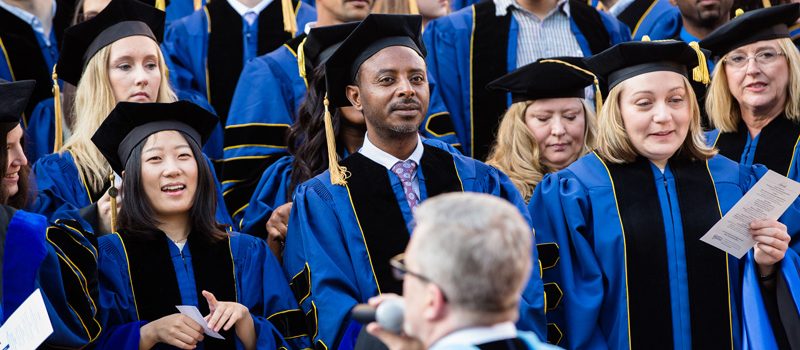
(40, 131)
(260, 285)
(264, 107)
(62, 193)
(471, 47)
(30, 263)
(25, 54)
(342, 238)
(776, 147)
(205, 53)
(616, 278)
(658, 19)
(178, 9)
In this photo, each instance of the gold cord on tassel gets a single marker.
(738, 13)
(766, 3)
(598, 101)
(197, 4)
(700, 73)
(413, 8)
(161, 5)
(289, 19)
(301, 61)
(59, 121)
(112, 192)
(339, 174)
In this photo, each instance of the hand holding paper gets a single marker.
(28, 326)
(767, 200)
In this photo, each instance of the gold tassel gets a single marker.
(301, 61)
(598, 97)
(339, 174)
(289, 19)
(112, 192)
(700, 73)
(161, 5)
(413, 8)
(766, 3)
(59, 121)
(598, 100)
(738, 13)
(197, 4)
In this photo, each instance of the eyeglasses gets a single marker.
(763, 58)
(400, 270)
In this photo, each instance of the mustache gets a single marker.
(405, 104)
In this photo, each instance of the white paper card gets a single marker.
(768, 199)
(28, 326)
(192, 312)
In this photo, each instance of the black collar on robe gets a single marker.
(225, 59)
(24, 54)
(775, 147)
(375, 204)
(490, 61)
(155, 284)
(650, 314)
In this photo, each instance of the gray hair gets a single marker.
(476, 248)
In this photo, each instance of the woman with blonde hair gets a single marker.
(624, 264)
(110, 58)
(548, 126)
(754, 97)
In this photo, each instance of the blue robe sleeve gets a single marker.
(322, 274)
(40, 131)
(184, 49)
(272, 191)
(59, 187)
(264, 289)
(262, 110)
(560, 209)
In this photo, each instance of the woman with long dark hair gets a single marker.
(169, 249)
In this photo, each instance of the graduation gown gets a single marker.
(62, 193)
(177, 9)
(658, 19)
(25, 55)
(624, 266)
(342, 238)
(238, 268)
(40, 131)
(205, 53)
(265, 105)
(273, 191)
(28, 263)
(776, 147)
(471, 47)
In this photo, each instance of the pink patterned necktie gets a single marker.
(405, 171)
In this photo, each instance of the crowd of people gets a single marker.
(276, 163)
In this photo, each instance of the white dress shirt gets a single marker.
(377, 155)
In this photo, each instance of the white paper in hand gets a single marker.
(768, 199)
(193, 313)
(28, 326)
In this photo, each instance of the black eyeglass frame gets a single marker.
(400, 270)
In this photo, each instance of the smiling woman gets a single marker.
(623, 224)
(171, 251)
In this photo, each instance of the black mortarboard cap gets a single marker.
(546, 78)
(376, 32)
(749, 27)
(320, 44)
(14, 97)
(120, 19)
(130, 123)
(629, 59)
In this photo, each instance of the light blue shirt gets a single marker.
(46, 40)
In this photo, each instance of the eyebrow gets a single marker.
(159, 148)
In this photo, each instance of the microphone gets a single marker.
(389, 314)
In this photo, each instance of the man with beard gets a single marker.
(348, 222)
